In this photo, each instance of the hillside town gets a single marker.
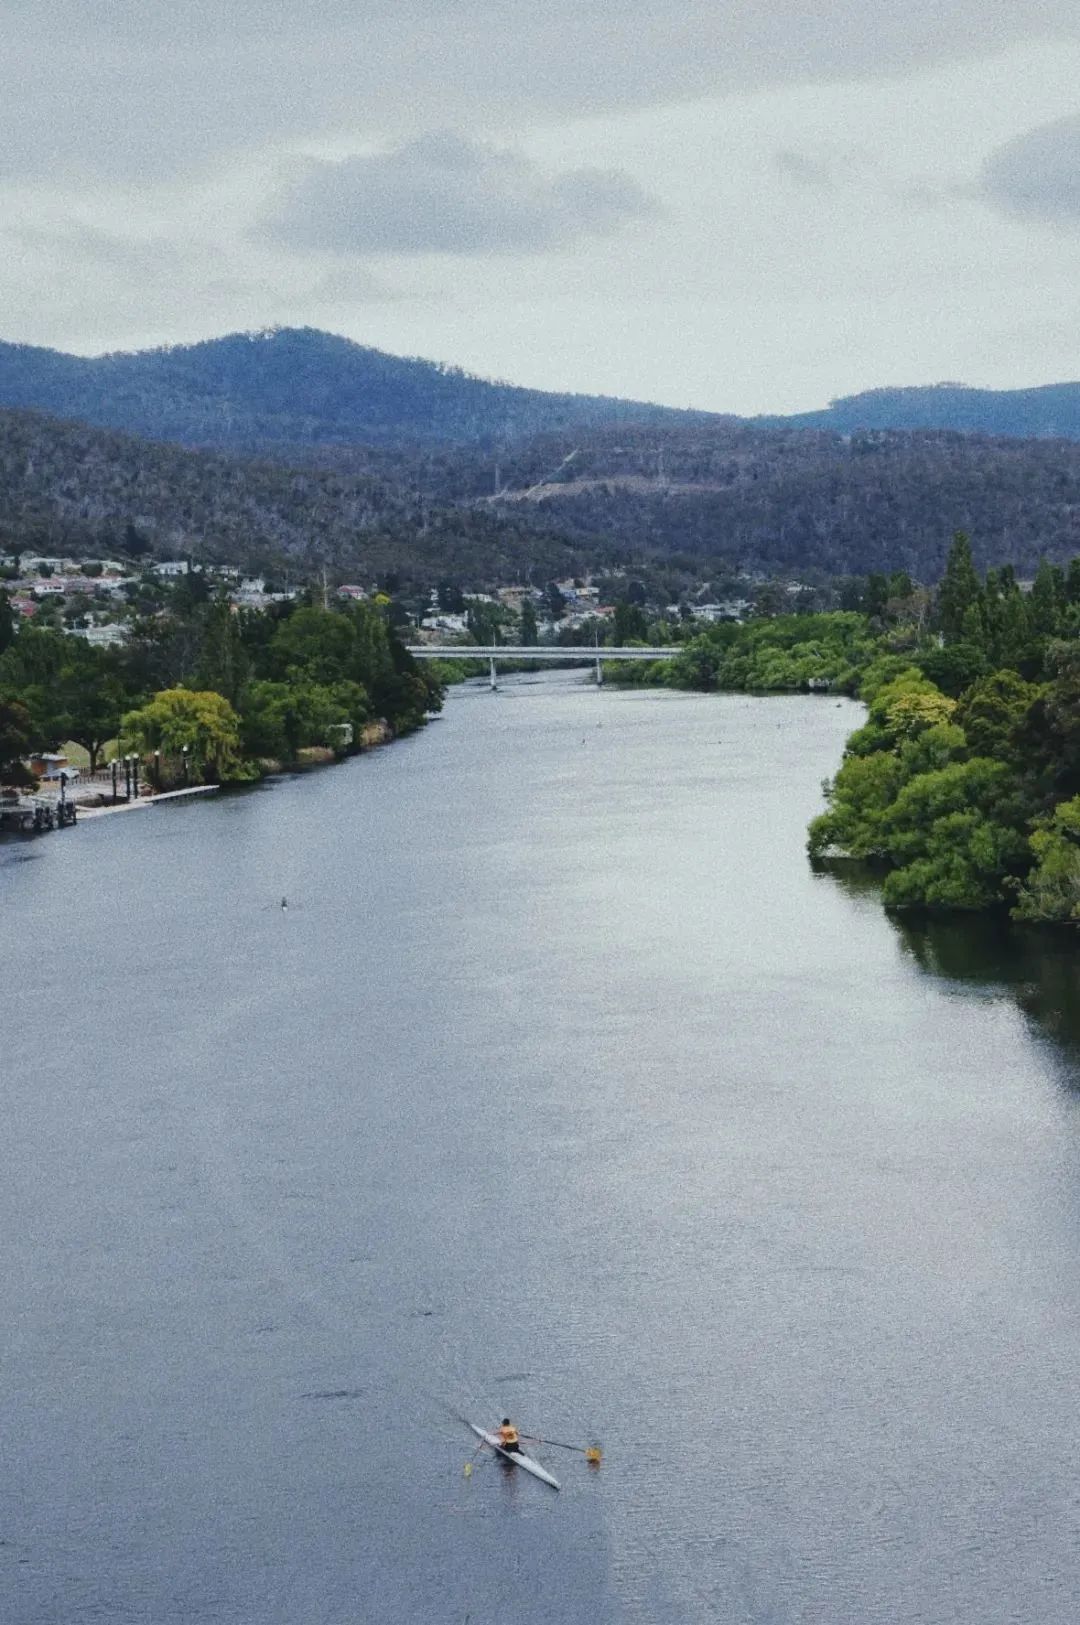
(98, 598)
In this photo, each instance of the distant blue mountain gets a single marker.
(1051, 411)
(297, 390)
(293, 388)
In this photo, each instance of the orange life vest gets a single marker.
(508, 1434)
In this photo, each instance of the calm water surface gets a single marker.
(565, 1089)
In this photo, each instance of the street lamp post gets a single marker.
(112, 769)
(157, 770)
(63, 797)
(184, 754)
(127, 778)
(135, 777)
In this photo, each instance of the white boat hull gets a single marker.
(518, 1458)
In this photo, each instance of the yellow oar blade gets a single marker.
(468, 1469)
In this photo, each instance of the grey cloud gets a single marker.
(444, 194)
(137, 89)
(1037, 175)
(811, 173)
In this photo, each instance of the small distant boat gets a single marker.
(518, 1457)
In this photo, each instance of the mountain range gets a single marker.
(294, 389)
(1051, 411)
(297, 445)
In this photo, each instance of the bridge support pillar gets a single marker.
(494, 679)
(599, 673)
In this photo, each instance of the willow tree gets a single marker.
(198, 726)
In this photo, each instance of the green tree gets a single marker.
(1046, 601)
(954, 667)
(178, 719)
(314, 645)
(861, 795)
(16, 741)
(630, 625)
(1052, 889)
(7, 623)
(1007, 620)
(484, 622)
(223, 662)
(280, 719)
(993, 711)
(30, 671)
(529, 633)
(959, 591)
(91, 696)
(876, 596)
(954, 837)
(915, 708)
(556, 603)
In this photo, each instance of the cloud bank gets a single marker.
(123, 88)
(1037, 176)
(444, 194)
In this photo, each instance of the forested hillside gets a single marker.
(781, 501)
(290, 392)
(1050, 411)
(292, 388)
(792, 500)
(65, 487)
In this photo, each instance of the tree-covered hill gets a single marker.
(797, 500)
(1051, 410)
(291, 388)
(66, 487)
(781, 501)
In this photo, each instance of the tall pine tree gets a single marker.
(959, 593)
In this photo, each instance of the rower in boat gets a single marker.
(508, 1437)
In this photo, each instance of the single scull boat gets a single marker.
(518, 1457)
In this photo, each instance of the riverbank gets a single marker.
(91, 798)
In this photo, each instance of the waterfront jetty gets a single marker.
(31, 815)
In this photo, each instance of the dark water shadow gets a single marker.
(987, 955)
(1039, 967)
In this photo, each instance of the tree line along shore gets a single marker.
(962, 787)
(209, 693)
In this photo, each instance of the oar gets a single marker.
(591, 1452)
(472, 1458)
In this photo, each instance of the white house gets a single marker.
(444, 623)
(103, 637)
(172, 567)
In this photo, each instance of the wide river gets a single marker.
(562, 1089)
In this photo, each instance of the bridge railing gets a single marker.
(542, 651)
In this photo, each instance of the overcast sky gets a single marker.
(746, 205)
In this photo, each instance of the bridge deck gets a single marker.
(546, 651)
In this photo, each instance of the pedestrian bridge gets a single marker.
(565, 653)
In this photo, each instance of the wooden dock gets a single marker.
(32, 815)
(148, 800)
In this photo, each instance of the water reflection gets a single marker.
(1037, 966)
